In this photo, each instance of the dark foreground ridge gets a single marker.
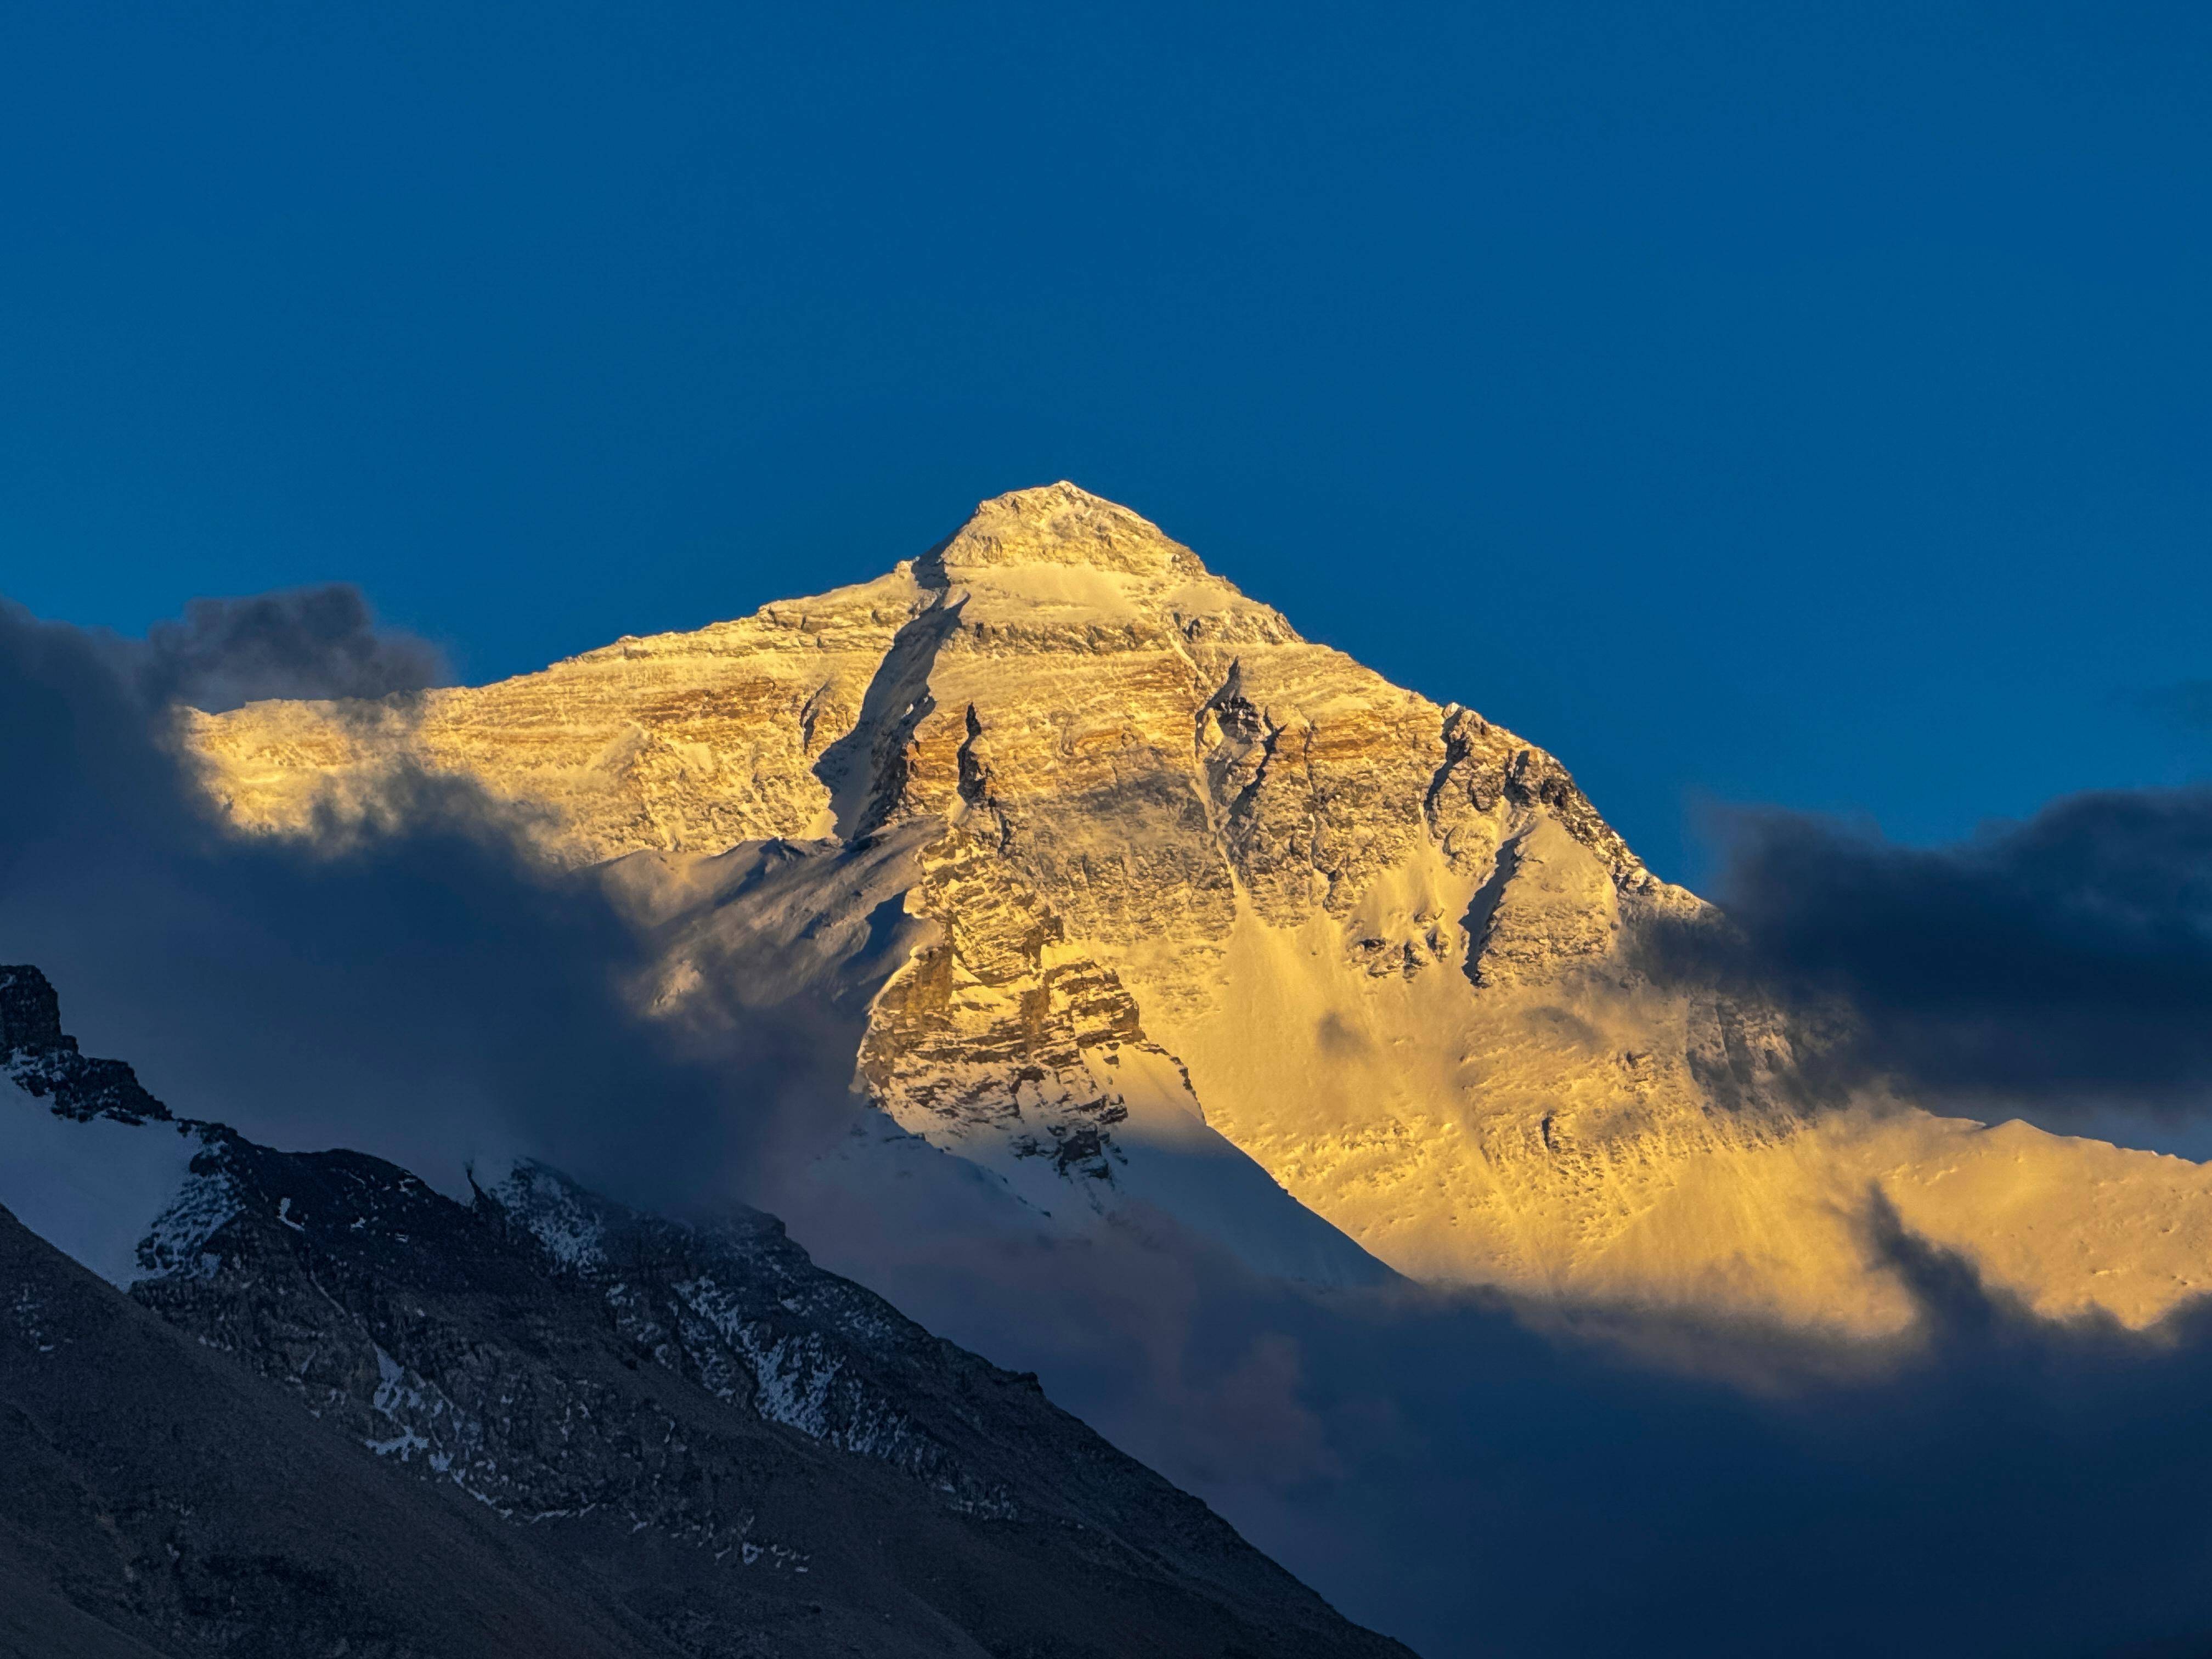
(340, 1414)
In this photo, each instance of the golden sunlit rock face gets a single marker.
(1168, 862)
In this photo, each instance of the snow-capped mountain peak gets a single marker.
(1212, 919)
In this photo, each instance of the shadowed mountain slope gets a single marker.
(335, 1408)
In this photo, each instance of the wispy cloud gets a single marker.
(306, 642)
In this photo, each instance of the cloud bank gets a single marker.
(2059, 968)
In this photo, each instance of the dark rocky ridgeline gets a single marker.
(45, 1059)
(370, 1420)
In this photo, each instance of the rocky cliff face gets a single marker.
(1181, 881)
(538, 1421)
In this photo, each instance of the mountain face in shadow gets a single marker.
(255, 1402)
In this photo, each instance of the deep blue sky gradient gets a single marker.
(1758, 401)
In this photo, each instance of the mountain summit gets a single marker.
(1211, 917)
(1062, 525)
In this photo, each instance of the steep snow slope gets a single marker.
(1167, 873)
(990, 1039)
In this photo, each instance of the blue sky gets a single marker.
(1758, 401)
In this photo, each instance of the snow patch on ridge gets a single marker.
(99, 1190)
(551, 1208)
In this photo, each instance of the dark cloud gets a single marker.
(309, 642)
(2059, 968)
